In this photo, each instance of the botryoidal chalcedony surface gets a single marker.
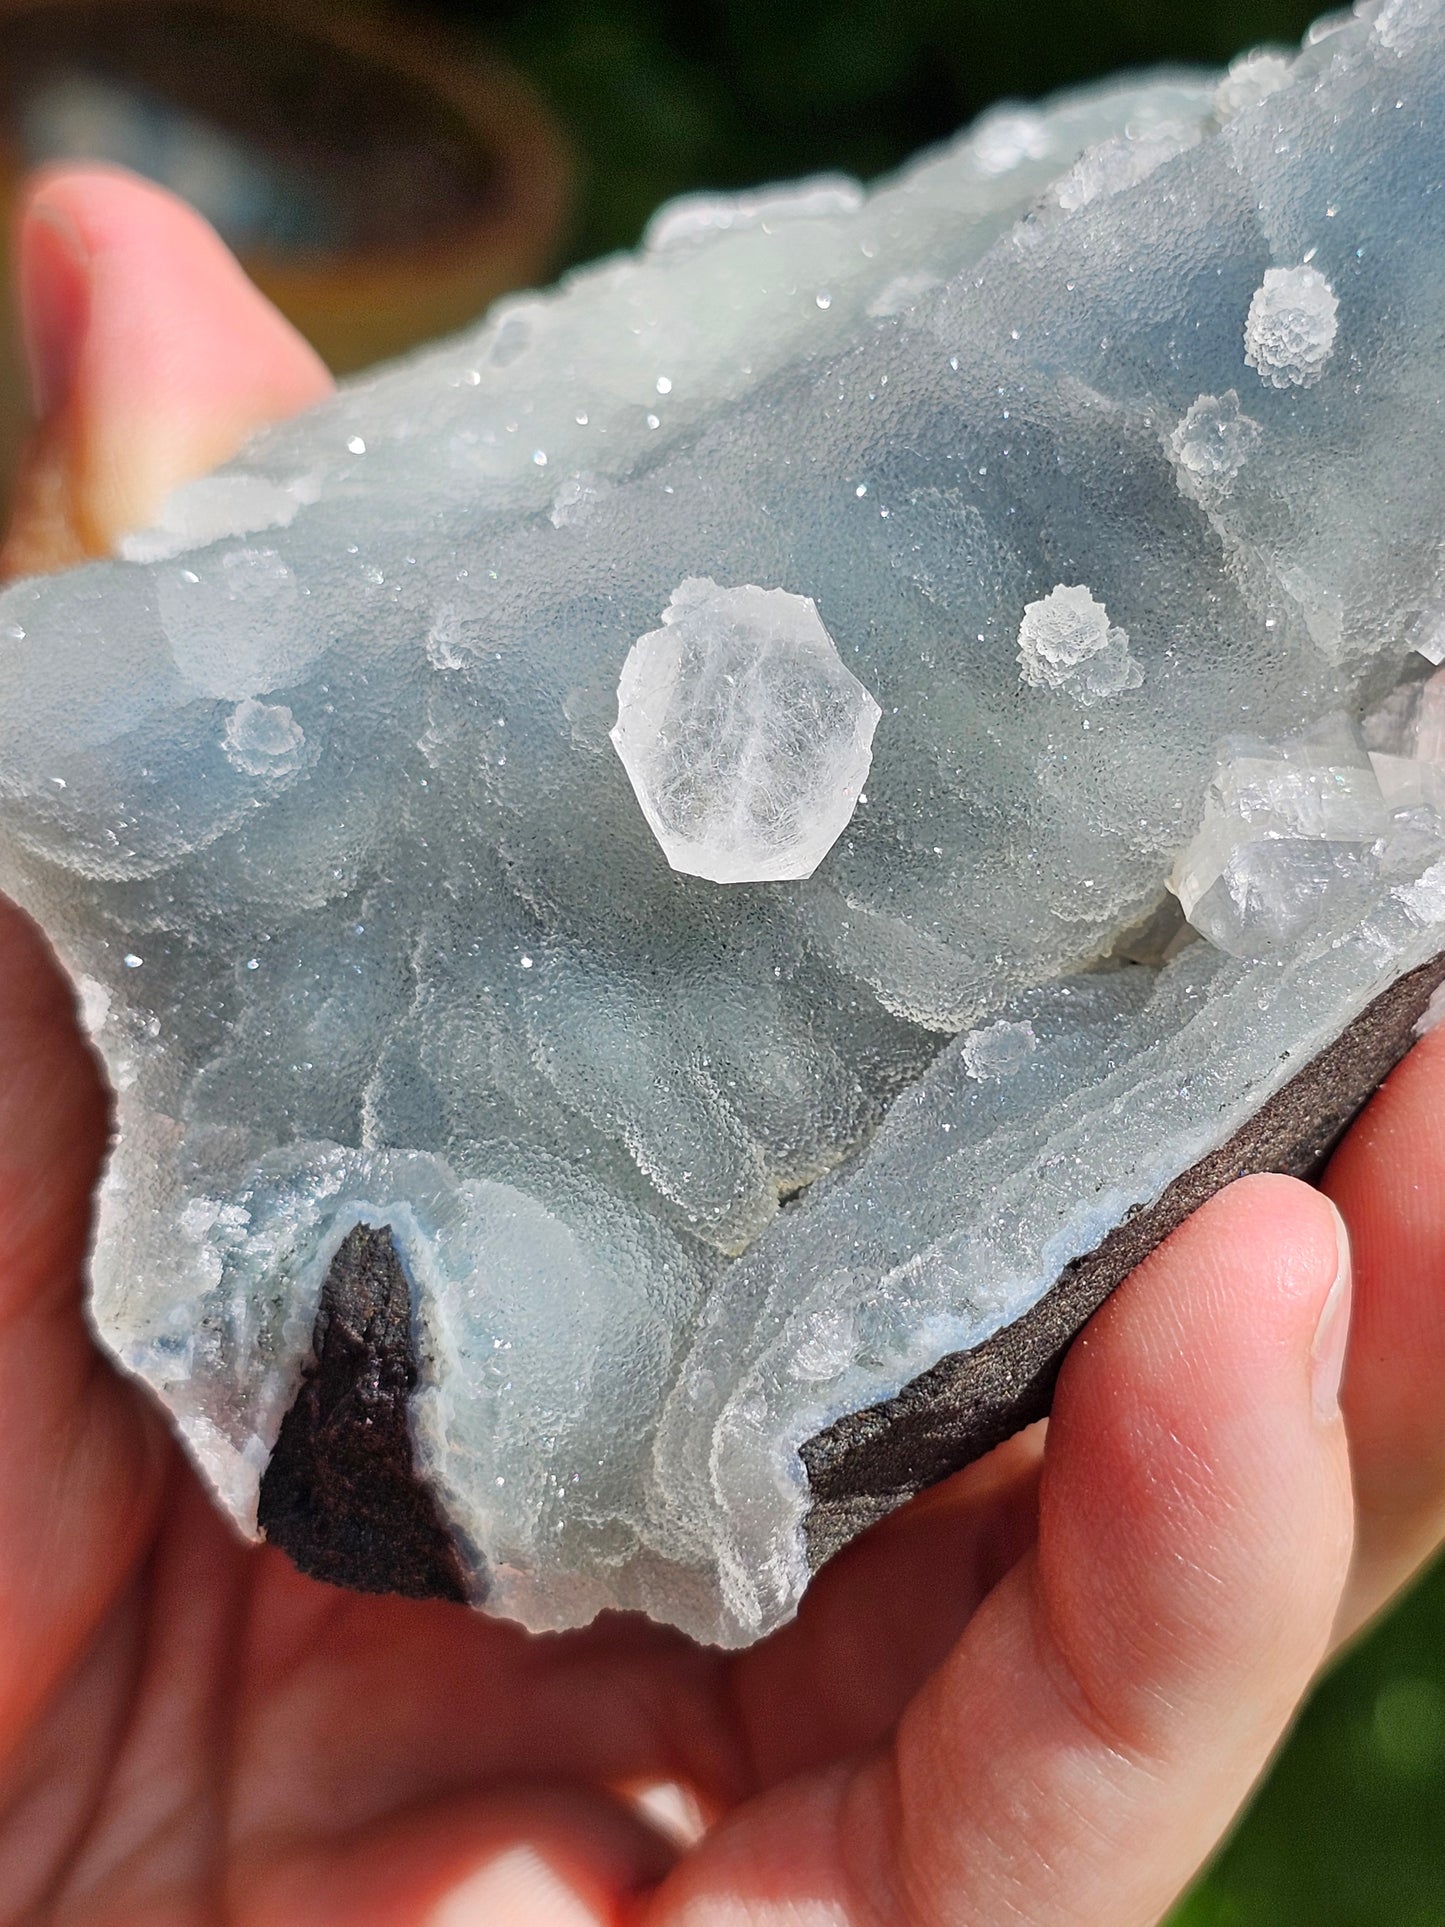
(1100, 439)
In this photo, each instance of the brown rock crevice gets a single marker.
(342, 1494)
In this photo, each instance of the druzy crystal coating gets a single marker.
(316, 796)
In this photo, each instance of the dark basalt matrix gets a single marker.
(341, 1492)
(674, 890)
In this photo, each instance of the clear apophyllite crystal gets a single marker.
(318, 800)
(1316, 817)
(998, 1050)
(1288, 826)
(744, 734)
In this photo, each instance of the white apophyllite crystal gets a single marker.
(1405, 25)
(1433, 1014)
(217, 506)
(238, 623)
(1007, 137)
(902, 293)
(1427, 634)
(1252, 77)
(1289, 333)
(1211, 444)
(1285, 826)
(1312, 817)
(94, 1001)
(264, 739)
(575, 499)
(1122, 163)
(695, 217)
(1424, 897)
(998, 1050)
(1066, 641)
(746, 737)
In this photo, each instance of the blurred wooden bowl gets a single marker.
(381, 179)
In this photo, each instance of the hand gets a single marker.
(1038, 1694)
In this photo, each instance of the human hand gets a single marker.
(1037, 1694)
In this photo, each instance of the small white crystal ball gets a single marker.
(745, 736)
(1289, 333)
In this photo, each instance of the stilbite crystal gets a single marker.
(1289, 332)
(1091, 444)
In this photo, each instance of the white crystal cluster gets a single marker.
(1289, 332)
(998, 1050)
(744, 733)
(1066, 641)
(1296, 827)
(1210, 445)
(1077, 469)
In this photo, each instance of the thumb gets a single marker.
(152, 357)
(1106, 1711)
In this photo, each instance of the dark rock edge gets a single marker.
(341, 1494)
(343, 1497)
(868, 1462)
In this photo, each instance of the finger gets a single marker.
(1388, 1179)
(80, 1459)
(152, 358)
(532, 1856)
(1106, 1712)
(877, 1621)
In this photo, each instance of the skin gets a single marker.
(1038, 1694)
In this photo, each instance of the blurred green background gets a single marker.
(383, 183)
(663, 95)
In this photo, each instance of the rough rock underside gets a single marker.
(631, 873)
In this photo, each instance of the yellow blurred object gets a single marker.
(381, 179)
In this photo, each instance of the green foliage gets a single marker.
(662, 97)
(1349, 1828)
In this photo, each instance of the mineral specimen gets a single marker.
(667, 1230)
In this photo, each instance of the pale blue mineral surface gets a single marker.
(1105, 449)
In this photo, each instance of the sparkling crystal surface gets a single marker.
(1101, 447)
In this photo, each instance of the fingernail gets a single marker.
(54, 304)
(1327, 1348)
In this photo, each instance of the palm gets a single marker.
(1037, 1694)
(232, 1725)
